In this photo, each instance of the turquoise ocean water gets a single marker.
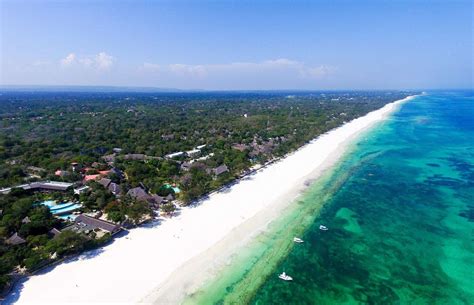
(400, 213)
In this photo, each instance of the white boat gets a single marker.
(298, 240)
(324, 228)
(285, 277)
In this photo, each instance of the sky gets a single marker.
(238, 45)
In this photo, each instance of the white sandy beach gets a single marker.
(160, 264)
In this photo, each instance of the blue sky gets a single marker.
(238, 44)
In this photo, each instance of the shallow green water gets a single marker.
(400, 212)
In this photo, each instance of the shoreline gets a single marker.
(157, 259)
(201, 270)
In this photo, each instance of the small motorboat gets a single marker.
(285, 277)
(323, 228)
(298, 240)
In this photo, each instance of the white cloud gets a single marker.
(104, 60)
(68, 60)
(188, 70)
(282, 62)
(100, 61)
(273, 66)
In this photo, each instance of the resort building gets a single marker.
(220, 170)
(138, 157)
(174, 155)
(54, 232)
(205, 157)
(75, 166)
(15, 239)
(157, 200)
(114, 188)
(81, 190)
(86, 224)
(117, 172)
(168, 137)
(105, 182)
(34, 170)
(44, 186)
(88, 178)
(104, 173)
(60, 173)
(193, 152)
(186, 166)
(109, 158)
(140, 194)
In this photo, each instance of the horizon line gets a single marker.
(151, 89)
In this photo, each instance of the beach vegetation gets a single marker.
(179, 147)
(168, 208)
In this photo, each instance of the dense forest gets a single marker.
(51, 130)
(215, 138)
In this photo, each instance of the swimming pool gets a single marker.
(61, 208)
(174, 188)
(70, 217)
